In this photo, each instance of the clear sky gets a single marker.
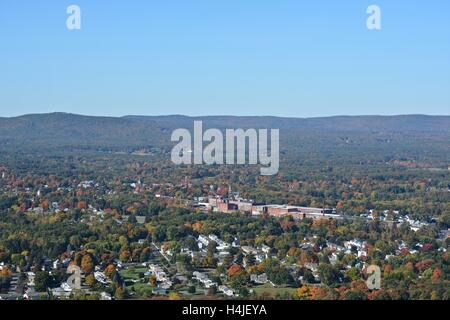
(241, 57)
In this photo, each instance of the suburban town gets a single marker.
(201, 264)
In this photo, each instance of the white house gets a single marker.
(227, 291)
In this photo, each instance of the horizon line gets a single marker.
(224, 115)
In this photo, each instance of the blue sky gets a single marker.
(241, 57)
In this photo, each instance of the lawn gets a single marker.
(273, 290)
(132, 273)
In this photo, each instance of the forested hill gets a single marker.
(337, 123)
(61, 131)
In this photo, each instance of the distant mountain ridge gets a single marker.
(338, 123)
(64, 130)
(333, 123)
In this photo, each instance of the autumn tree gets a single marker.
(110, 270)
(437, 273)
(87, 264)
(234, 269)
(90, 280)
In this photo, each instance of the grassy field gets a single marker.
(273, 290)
(132, 273)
